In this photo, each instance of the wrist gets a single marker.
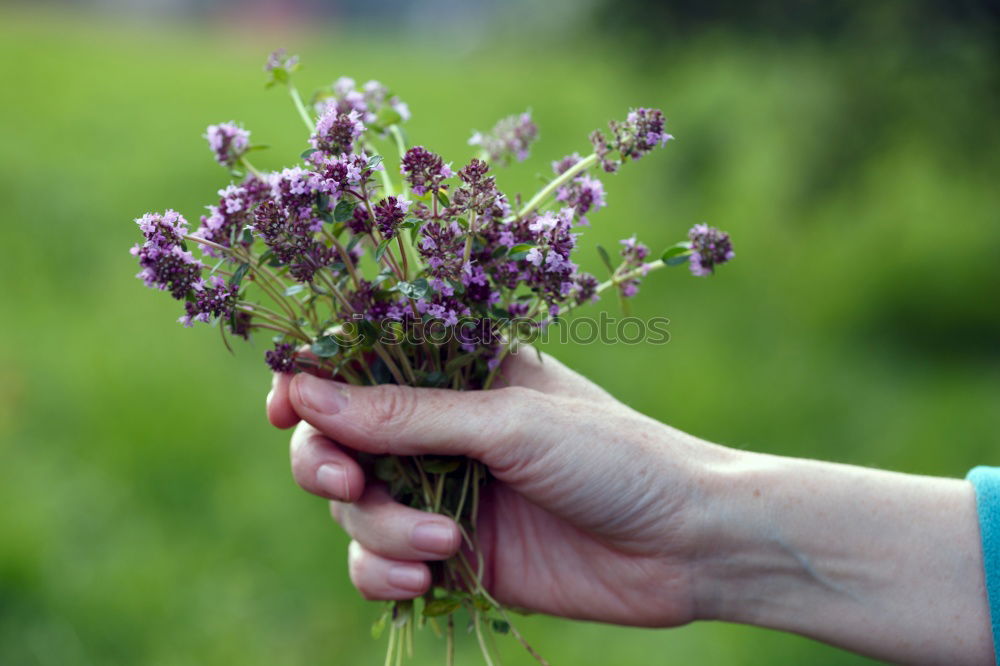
(880, 563)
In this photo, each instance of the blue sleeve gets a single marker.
(986, 481)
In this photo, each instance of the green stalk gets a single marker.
(383, 174)
(301, 108)
(617, 280)
(555, 183)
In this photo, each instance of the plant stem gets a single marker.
(382, 173)
(566, 176)
(397, 136)
(297, 99)
(449, 655)
(614, 281)
(245, 162)
(479, 637)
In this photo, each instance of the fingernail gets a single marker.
(406, 578)
(320, 395)
(433, 537)
(332, 479)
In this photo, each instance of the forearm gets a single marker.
(880, 563)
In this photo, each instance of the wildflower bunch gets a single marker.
(428, 279)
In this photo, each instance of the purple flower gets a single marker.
(389, 214)
(228, 142)
(424, 171)
(360, 221)
(585, 288)
(226, 220)
(279, 60)
(337, 131)
(290, 239)
(281, 358)
(171, 269)
(633, 252)
(442, 247)
(478, 193)
(633, 255)
(164, 262)
(582, 194)
(336, 175)
(565, 164)
(709, 248)
(368, 102)
(163, 230)
(510, 137)
(642, 131)
(214, 300)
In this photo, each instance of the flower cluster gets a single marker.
(583, 193)
(350, 272)
(424, 171)
(709, 248)
(228, 142)
(374, 103)
(642, 131)
(510, 137)
(634, 259)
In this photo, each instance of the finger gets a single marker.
(542, 372)
(487, 425)
(279, 408)
(382, 579)
(387, 528)
(322, 468)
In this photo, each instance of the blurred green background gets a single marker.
(147, 515)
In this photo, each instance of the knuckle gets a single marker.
(391, 406)
(303, 461)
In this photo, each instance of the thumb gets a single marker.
(490, 426)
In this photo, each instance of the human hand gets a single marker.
(591, 514)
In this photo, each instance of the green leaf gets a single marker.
(520, 251)
(344, 210)
(239, 274)
(294, 289)
(672, 255)
(411, 223)
(439, 607)
(379, 625)
(501, 626)
(416, 289)
(499, 252)
(440, 465)
(382, 276)
(306, 153)
(247, 235)
(605, 258)
(280, 74)
(374, 161)
(381, 249)
(353, 242)
(325, 347)
(256, 147)
(442, 198)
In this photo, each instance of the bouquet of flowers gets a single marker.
(429, 279)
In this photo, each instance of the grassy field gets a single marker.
(146, 512)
